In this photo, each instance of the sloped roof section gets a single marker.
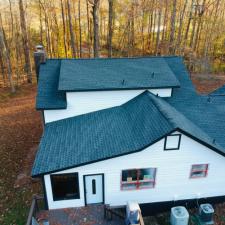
(48, 96)
(115, 74)
(219, 91)
(109, 133)
(207, 112)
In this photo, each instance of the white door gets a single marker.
(94, 188)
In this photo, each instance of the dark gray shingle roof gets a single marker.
(48, 96)
(128, 128)
(115, 73)
(207, 113)
(111, 132)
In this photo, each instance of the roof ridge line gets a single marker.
(152, 96)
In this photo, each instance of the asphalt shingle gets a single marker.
(115, 74)
(133, 126)
(48, 96)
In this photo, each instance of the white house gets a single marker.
(127, 129)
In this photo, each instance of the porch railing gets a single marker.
(34, 208)
(110, 211)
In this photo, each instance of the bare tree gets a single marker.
(110, 28)
(5, 53)
(172, 28)
(158, 29)
(25, 42)
(201, 11)
(40, 22)
(180, 26)
(95, 13)
(88, 29)
(64, 28)
(72, 36)
(80, 30)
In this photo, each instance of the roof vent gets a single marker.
(214, 141)
(209, 99)
(123, 82)
(153, 75)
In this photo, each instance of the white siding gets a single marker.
(172, 178)
(84, 102)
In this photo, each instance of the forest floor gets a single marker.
(20, 129)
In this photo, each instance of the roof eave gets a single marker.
(118, 89)
(94, 161)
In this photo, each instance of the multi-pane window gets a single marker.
(138, 178)
(65, 186)
(199, 170)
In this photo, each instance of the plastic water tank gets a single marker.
(206, 212)
(179, 216)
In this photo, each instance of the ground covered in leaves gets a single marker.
(20, 129)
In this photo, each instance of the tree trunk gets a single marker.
(195, 43)
(150, 22)
(172, 28)
(80, 30)
(209, 38)
(2, 69)
(89, 30)
(64, 28)
(72, 36)
(153, 29)
(25, 42)
(6, 56)
(96, 27)
(188, 25)
(180, 27)
(193, 29)
(11, 17)
(110, 28)
(158, 30)
(165, 21)
(40, 23)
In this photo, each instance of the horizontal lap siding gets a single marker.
(84, 102)
(172, 178)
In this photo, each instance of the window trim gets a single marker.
(64, 174)
(205, 171)
(138, 182)
(165, 142)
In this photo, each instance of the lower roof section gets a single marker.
(48, 96)
(112, 132)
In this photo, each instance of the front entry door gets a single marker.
(93, 188)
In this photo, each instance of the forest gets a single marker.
(194, 29)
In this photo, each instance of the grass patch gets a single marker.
(17, 215)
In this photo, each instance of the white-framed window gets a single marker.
(134, 179)
(172, 142)
(199, 170)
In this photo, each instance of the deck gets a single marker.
(89, 215)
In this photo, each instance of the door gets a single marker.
(93, 187)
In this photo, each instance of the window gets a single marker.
(172, 142)
(138, 179)
(65, 186)
(94, 187)
(199, 170)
